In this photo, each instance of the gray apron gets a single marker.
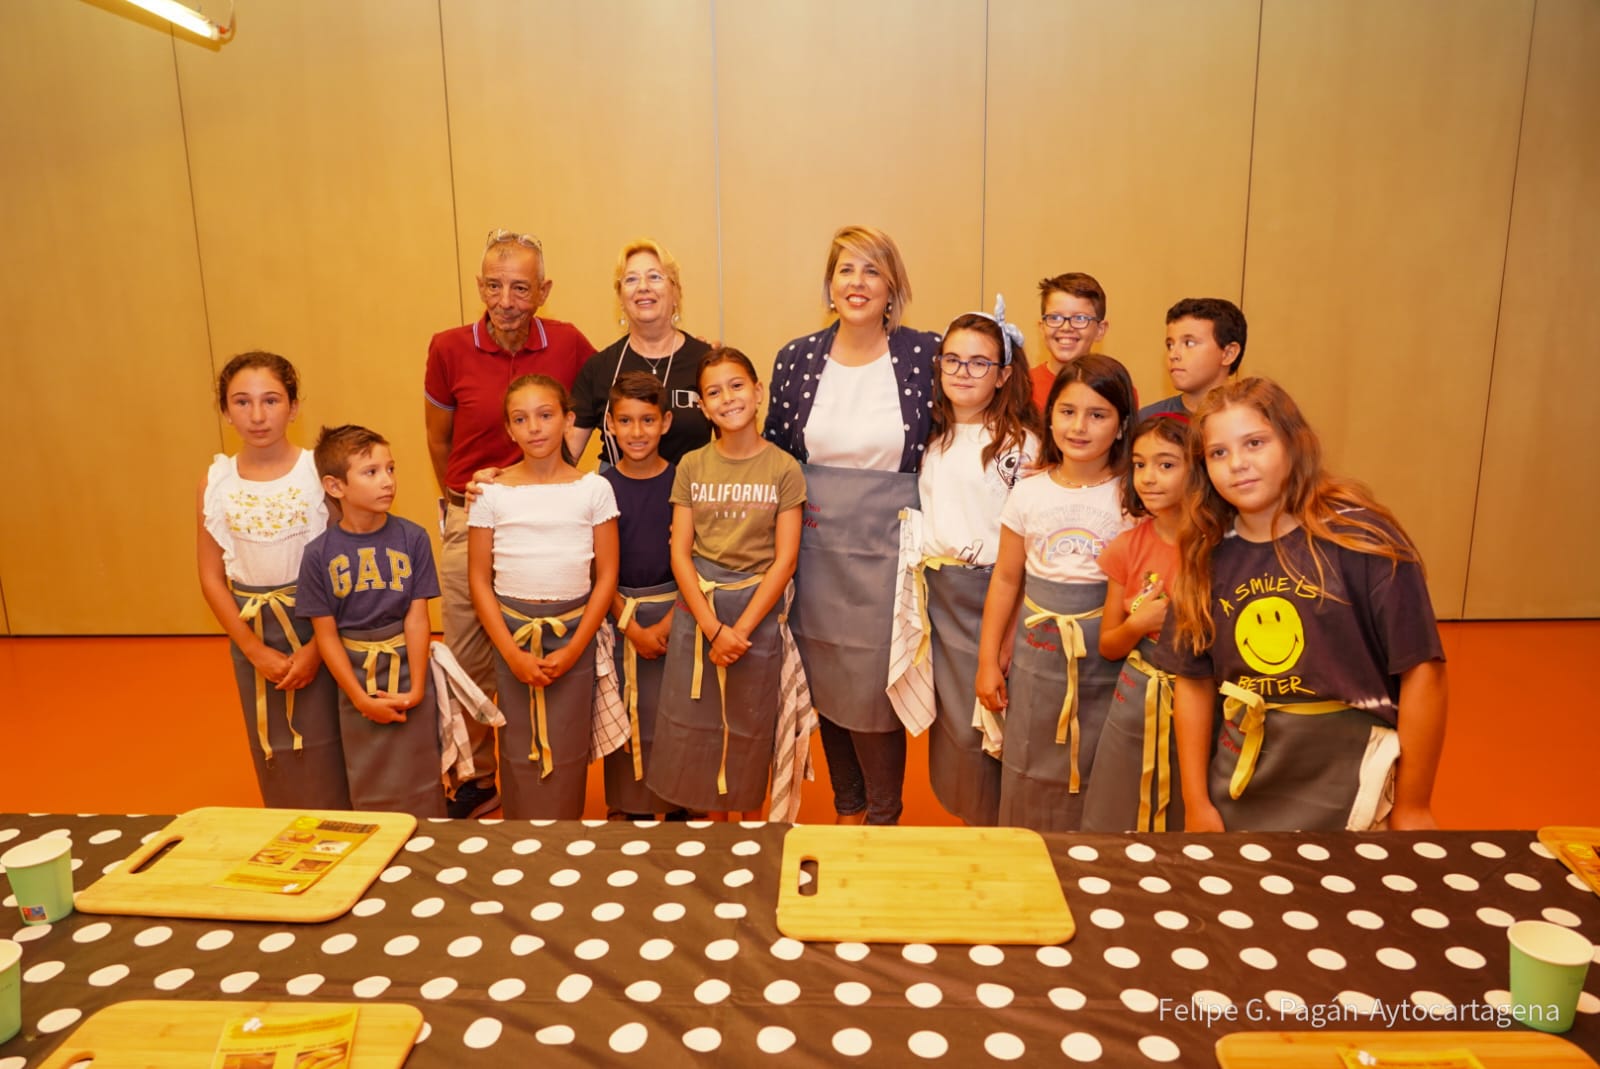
(543, 773)
(690, 750)
(844, 590)
(1037, 788)
(306, 769)
(965, 779)
(624, 769)
(1135, 786)
(391, 767)
(1306, 776)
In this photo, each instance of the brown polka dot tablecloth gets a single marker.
(656, 944)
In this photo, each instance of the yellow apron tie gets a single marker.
(1157, 770)
(922, 599)
(630, 666)
(395, 647)
(709, 588)
(277, 600)
(1072, 648)
(531, 636)
(1249, 710)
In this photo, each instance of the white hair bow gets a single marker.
(1010, 333)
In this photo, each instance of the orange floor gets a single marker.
(152, 725)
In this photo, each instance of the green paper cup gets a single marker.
(10, 989)
(41, 878)
(1548, 966)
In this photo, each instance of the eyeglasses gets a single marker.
(633, 281)
(501, 236)
(1056, 319)
(975, 368)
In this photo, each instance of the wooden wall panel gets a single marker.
(1539, 490)
(1385, 141)
(1119, 144)
(321, 166)
(834, 112)
(588, 124)
(321, 184)
(104, 381)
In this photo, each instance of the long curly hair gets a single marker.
(1322, 504)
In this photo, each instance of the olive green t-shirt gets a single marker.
(736, 503)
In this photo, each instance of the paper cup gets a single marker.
(41, 877)
(1548, 965)
(10, 989)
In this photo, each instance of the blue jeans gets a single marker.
(867, 770)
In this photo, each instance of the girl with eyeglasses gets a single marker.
(1053, 529)
(982, 441)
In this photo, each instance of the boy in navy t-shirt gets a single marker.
(642, 481)
(1205, 345)
(365, 584)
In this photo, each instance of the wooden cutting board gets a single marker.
(161, 1034)
(212, 842)
(1553, 837)
(922, 885)
(1515, 1048)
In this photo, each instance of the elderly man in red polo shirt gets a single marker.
(469, 368)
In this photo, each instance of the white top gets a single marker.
(1065, 531)
(855, 421)
(544, 535)
(263, 527)
(962, 497)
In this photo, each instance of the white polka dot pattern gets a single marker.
(678, 918)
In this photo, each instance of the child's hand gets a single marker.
(1201, 818)
(1151, 611)
(303, 665)
(530, 669)
(646, 640)
(729, 646)
(556, 664)
(474, 484)
(380, 708)
(662, 629)
(991, 687)
(270, 663)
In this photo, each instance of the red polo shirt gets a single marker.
(468, 374)
(1043, 378)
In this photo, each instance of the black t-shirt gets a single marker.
(644, 530)
(592, 390)
(1274, 635)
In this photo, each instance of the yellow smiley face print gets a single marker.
(1270, 635)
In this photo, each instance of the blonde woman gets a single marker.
(851, 403)
(650, 294)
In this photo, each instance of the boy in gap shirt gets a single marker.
(365, 584)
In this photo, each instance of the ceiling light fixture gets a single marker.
(188, 18)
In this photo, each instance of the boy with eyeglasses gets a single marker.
(1205, 344)
(1072, 318)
